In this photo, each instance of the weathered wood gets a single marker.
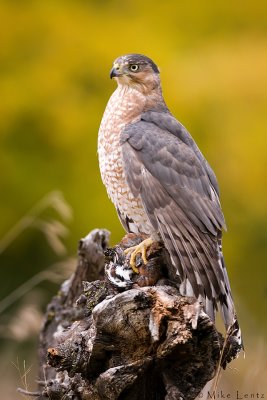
(106, 342)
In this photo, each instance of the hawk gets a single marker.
(162, 186)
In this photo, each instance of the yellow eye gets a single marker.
(134, 67)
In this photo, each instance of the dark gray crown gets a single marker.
(138, 59)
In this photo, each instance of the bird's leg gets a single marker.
(135, 250)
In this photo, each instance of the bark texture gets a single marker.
(125, 341)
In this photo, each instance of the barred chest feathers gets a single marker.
(125, 106)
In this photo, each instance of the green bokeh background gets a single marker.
(55, 58)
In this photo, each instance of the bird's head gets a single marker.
(136, 70)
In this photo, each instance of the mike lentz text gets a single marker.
(238, 395)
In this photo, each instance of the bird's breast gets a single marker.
(125, 106)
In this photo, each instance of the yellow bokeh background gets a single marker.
(55, 58)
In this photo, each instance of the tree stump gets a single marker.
(112, 334)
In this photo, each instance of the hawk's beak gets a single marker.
(115, 71)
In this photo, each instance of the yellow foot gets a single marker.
(135, 250)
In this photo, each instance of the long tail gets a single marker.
(228, 311)
(199, 263)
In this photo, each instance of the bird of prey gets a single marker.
(162, 186)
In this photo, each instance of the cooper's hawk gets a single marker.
(161, 185)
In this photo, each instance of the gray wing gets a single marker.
(179, 193)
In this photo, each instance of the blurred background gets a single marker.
(55, 58)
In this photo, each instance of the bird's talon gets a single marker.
(135, 250)
(133, 266)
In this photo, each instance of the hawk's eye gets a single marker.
(134, 67)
